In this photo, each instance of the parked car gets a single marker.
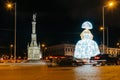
(104, 59)
(78, 62)
(70, 62)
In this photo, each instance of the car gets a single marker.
(70, 62)
(79, 62)
(104, 59)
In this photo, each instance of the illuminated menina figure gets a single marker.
(86, 47)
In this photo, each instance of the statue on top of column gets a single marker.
(34, 17)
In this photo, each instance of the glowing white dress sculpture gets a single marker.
(86, 47)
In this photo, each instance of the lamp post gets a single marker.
(110, 4)
(107, 38)
(103, 28)
(11, 49)
(10, 5)
(43, 46)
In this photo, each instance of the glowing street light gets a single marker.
(110, 4)
(11, 47)
(10, 6)
(106, 28)
(44, 48)
(101, 28)
(43, 45)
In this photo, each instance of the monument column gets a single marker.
(34, 52)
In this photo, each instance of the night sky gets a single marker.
(58, 21)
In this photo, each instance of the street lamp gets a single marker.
(43, 46)
(110, 4)
(10, 6)
(11, 48)
(101, 28)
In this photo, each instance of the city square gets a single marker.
(59, 40)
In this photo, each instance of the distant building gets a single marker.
(60, 50)
(34, 52)
(109, 50)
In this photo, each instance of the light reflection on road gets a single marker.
(87, 72)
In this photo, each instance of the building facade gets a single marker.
(108, 50)
(60, 50)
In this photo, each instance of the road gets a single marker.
(43, 72)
